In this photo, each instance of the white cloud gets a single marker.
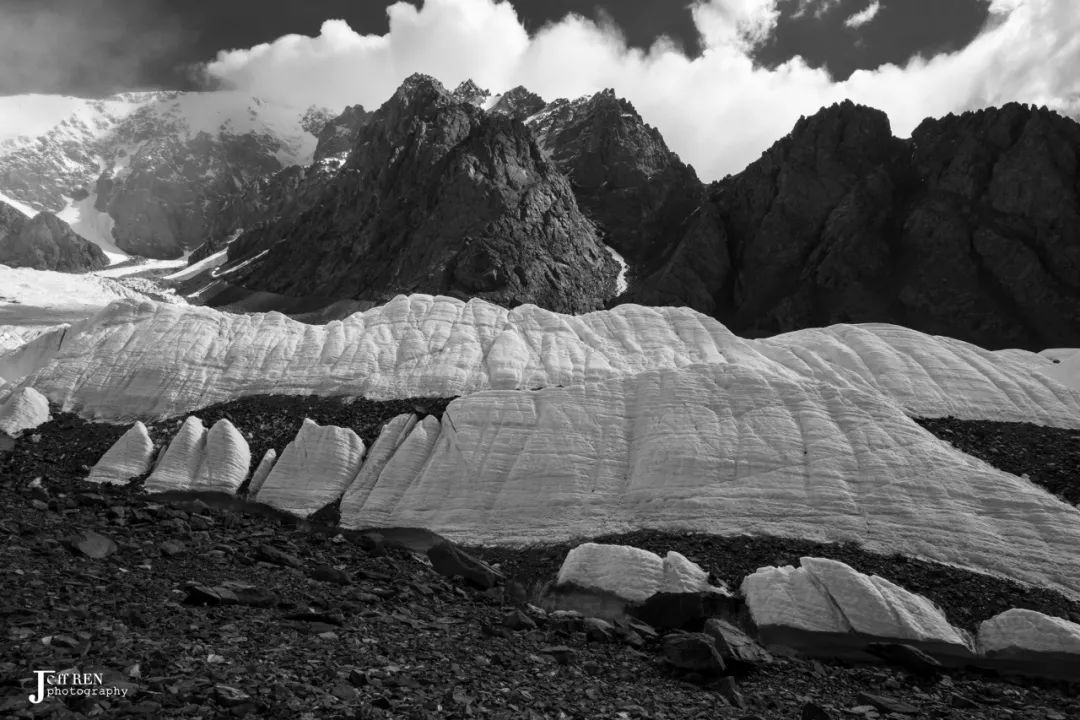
(820, 7)
(718, 111)
(861, 18)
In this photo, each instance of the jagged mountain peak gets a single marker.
(518, 102)
(471, 93)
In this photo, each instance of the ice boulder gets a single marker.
(826, 608)
(226, 460)
(215, 461)
(376, 497)
(314, 470)
(631, 573)
(390, 439)
(23, 409)
(261, 472)
(1028, 642)
(129, 457)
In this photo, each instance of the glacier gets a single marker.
(143, 360)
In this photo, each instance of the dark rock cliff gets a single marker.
(970, 229)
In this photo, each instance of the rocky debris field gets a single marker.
(199, 611)
(1049, 457)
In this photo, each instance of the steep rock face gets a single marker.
(45, 242)
(160, 200)
(970, 229)
(436, 196)
(265, 200)
(338, 135)
(624, 176)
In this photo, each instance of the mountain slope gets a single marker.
(147, 163)
(440, 197)
(970, 229)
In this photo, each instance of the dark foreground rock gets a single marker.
(202, 611)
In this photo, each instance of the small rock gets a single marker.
(888, 704)
(598, 630)
(562, 654)
(329, 574)
(169, 548)
(278, 557)
(91, 544)
(961, 702)
(693, 651)
(734, 645)
(451, 561)
(905, 656)
(812, 711)
(518, 620)
(229, 696)
(730, 691)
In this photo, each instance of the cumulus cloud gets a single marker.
(861, 18)
(718, 111)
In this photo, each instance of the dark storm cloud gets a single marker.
(85, 47)
(819, 31)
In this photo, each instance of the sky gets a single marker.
(696, 69)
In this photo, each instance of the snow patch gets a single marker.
(21, 207)
(621, 284)
(208, 263)
(93, 225)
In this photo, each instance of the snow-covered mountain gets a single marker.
(136, 172)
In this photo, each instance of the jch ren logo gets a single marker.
(71, 684)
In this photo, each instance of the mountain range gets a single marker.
(969, 228)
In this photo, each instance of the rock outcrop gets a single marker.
(45, 242)
(969, 229)
(436, 196)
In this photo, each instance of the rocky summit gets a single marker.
(435, 195)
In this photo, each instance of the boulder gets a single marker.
(693, 651)
(734, 645)
(450, 560)
(825, 608)
(1028, 642)
(633, 574)
(129, 457)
